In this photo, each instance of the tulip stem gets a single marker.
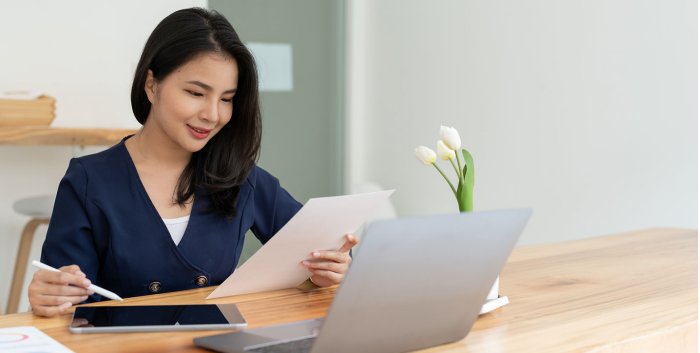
(459, 174)
(455, 166)
(448, 180)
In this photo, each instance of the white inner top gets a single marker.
(176, 227)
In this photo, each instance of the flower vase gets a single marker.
(465, 200)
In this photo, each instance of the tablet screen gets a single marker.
(156, 315)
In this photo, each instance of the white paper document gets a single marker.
(26, 339)
(320, 225)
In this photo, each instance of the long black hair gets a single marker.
(226, 160)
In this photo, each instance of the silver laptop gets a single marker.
(414, 283)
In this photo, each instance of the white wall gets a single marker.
(83, 53)
(585, 111)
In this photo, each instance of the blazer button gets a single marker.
(201, 280)
(154, 287)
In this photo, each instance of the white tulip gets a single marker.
(425, 155)
(450, 137)
(444, 152)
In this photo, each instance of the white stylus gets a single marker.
(92, 287)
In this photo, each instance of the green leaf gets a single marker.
(466, 194)
(468, 169)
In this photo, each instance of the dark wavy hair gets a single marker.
(226, 160)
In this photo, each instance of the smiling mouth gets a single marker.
(198, 130)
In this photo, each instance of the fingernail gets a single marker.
(86, 282)
(91, 292)
(66, 305)
(349, 236)
(317, 254)
(305, 263)
(84, 297)
(80, 273)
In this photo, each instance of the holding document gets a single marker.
(167, 209)
(285, 260)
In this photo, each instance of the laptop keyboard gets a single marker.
(298, 346)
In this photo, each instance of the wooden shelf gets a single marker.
(45, 135)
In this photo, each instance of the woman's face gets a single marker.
(193, 103)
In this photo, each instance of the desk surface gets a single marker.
(628, 292)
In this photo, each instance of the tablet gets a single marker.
(156, 318)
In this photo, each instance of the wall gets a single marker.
(585, 111)
(301, 127)
(83, 53)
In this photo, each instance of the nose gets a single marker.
(210, 112)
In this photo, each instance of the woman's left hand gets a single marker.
(329, 267)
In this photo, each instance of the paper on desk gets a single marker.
(25, 339)
(320, 225)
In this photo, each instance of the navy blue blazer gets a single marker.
(104, 222)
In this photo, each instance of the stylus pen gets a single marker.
(94, 288)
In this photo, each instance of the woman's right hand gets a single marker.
(50, 293)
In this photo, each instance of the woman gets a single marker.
(167, 209)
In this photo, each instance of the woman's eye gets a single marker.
(199, 94)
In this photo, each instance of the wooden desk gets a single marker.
(629, 292)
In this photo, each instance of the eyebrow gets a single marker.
(208, 88)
